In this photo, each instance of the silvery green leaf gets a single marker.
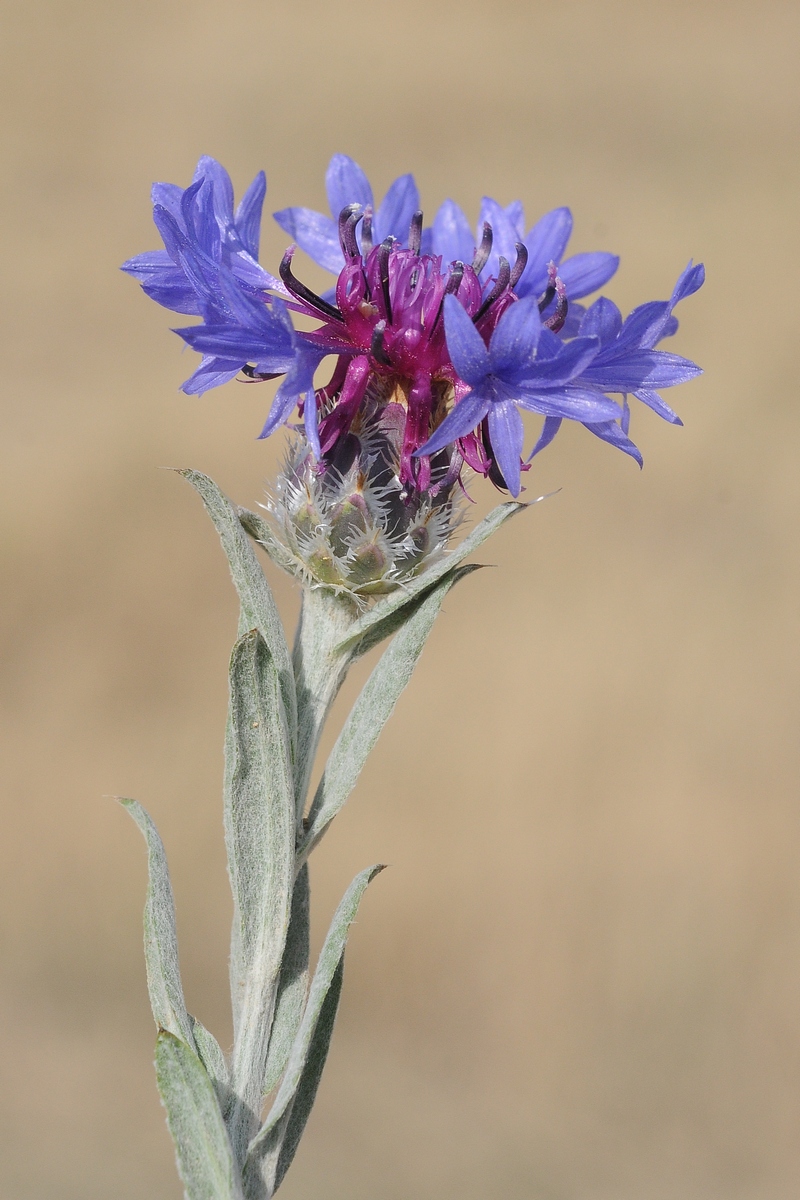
(260, 839)
(160, 937)
(385, 616)
(373, 708)
(213, 1060)
(292, 985)
(205, 1160)
(258, 604)
(308, 1052)
(310, 1079)
(262, 532)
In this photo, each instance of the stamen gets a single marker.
(348, 219)
(384, 251)
(548, 295)
(520, 264)
(303, 293)
(556, 322)
(450, 289)
(254, 376)
(366, 230)
(484, 250)
(376, 347)
(503, 277)
(415, 233)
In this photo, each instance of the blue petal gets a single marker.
(516, 215)
(504, 236)
(464, 418)
(574, 358)
(574, 403)
(248, 214)
(641, 369)
(549, 430)
(602, 320)
(451, 235)
(397, 208)
(168, 195)
(152, 262)
(176, 295)
(585, 273)
(316, 234)
(346, 183)
(644, 325)
(221, 188)
(654, 401)
(468, 353)
(507, 433)
(211, 373)
(515, 338)
(690, 281)
(610, 432)
(545, 243)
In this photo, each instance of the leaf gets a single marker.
(213, 1060)
(258, 604)
(260, 839)
(205, 1159)
(292, 985)
(262, 532)
(160, 937)
(310, 1047)
(373, 708)
(382, 618)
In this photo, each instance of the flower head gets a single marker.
(453, 335)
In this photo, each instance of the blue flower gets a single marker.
(204, 215)
(511, 374)
(628, 364)
(451, 236)
(347, 184)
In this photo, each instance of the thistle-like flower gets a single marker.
(439, 339)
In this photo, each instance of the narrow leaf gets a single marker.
(373, 708)
(258, 604)
(213, 1060)
(292, 985)
(305, 1060)
(310, 1079)
(205, 1160)
(260, 837)
(368, 630)
(160, 937)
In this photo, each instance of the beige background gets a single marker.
(579, 981)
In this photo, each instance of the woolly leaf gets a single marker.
(258, 604)
(292, 985)
(205, 1159)
(260, 839)
(308, 1053)
(160, 937)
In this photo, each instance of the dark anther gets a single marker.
(454, 279)
(556, 322)
(366, 230)
(450, 289)
(546, 298)
(383, 270)
(348, 219)
(254, 376)
(484, 250)
(376, 348)
(520, 264)
(415, 233)
(503, 277)
(303, 293)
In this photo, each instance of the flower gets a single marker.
(509, 375)
(445, 335)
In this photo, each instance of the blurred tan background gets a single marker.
(580, 979)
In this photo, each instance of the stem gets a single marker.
(325, 620)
